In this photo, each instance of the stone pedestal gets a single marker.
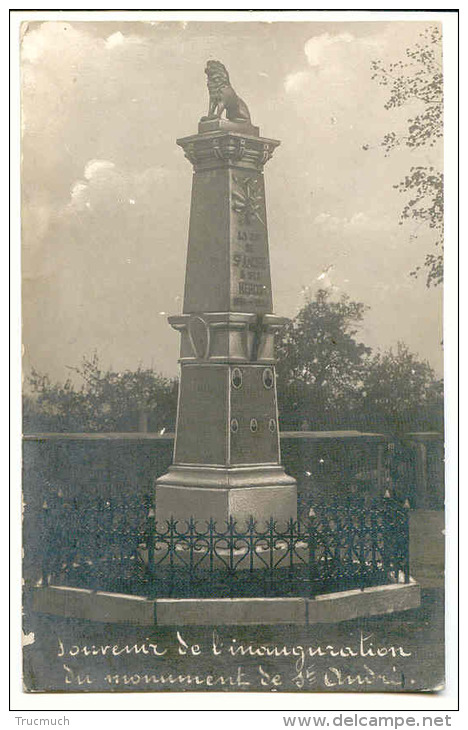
(226, 453)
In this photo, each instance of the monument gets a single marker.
(226, 459)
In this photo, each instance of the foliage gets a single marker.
(427, 206)
(402, 392)
(106, 401)
(419, 80)
(327, 379)
(320, 363)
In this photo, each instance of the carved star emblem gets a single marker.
(248, 199)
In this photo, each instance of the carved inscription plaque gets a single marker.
(250, 267)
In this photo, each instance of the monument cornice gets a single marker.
(217, 149)
(227, 336)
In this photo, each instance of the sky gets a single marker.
(106, 190)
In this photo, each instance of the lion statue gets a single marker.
(222, 95)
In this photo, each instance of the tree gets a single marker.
(419, 79)
(401, 392)
(327, 379)
(106, 401)
(320, 363)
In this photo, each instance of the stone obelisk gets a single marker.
(227, 453)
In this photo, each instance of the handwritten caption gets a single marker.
(219, 662)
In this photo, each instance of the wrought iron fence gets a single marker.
(116, 545)
(93, 542)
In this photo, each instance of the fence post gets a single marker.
(271, 542)
(312, 545)
(192, 531)
(46, 550)
(405, 540)
(362, 528)
(150, 538)
(251, 544)
(387, 532)
(211, 527)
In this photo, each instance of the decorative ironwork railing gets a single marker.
(116, 545)
(93, 542)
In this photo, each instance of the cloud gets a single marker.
(354, 222)
(359, 219)
(79, 195)
(115, 39)
(341, 61)
(94, 167)
(316, 48)
(293, 82)
(335, 62)
(36, 42)
(335, 84)
(104, 185)
(330, 91)
(327, 220)
(119, 40)
(69, 39)
(57, 61)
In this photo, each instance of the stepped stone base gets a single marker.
(136, 610)
(222, 493)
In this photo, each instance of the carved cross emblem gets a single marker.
(248, 199)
